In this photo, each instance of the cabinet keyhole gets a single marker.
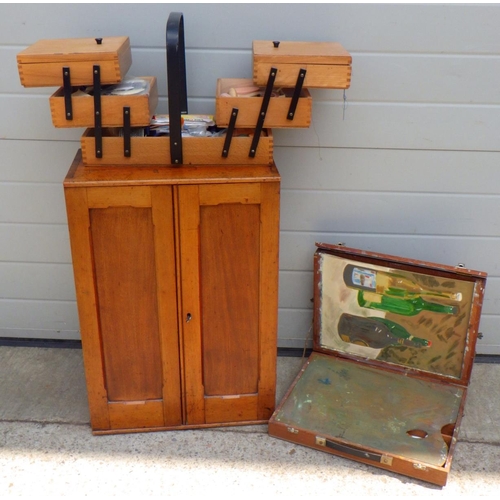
(188, 317)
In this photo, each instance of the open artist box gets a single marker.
(394, 344)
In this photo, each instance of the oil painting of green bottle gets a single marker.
(376, 332)
(391, 284)
(397, 305)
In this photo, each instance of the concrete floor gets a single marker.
(46, 446)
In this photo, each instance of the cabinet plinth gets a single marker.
(176, 273)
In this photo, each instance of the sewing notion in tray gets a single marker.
(137, 96)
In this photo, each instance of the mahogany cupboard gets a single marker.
(176, 273)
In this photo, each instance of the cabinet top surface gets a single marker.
(80, 175)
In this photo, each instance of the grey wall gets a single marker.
(411, 167)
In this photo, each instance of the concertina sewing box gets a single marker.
(393, 347)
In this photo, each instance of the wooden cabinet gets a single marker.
(176, 272)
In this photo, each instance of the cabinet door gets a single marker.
(228, 237)
(123, 249)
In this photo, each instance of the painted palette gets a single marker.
(373, 408)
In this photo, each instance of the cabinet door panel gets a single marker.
(136, 415)
(241, 408)
(228, 248)
(229, 270)
(126, 289)
(83, 268)
(124, 264)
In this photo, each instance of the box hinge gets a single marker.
(292, 430)
(229, 132)
(127, 143)
(97, 111)
(296, 94)
(68, 105)
(263, 111)
(320, 441)
(419, 466)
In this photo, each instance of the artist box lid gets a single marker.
(404, 314)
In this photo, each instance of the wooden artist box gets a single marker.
(322, 64)
(42, 64)
(139, 95)
(394, 343)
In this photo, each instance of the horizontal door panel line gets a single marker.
(138, 402)
(233, 396)
(240, 193)
(132, 196)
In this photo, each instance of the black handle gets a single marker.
(176, 81)
(356, 452)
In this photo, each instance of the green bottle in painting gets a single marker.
(390, 283)
(376, 332)
(406, 307)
